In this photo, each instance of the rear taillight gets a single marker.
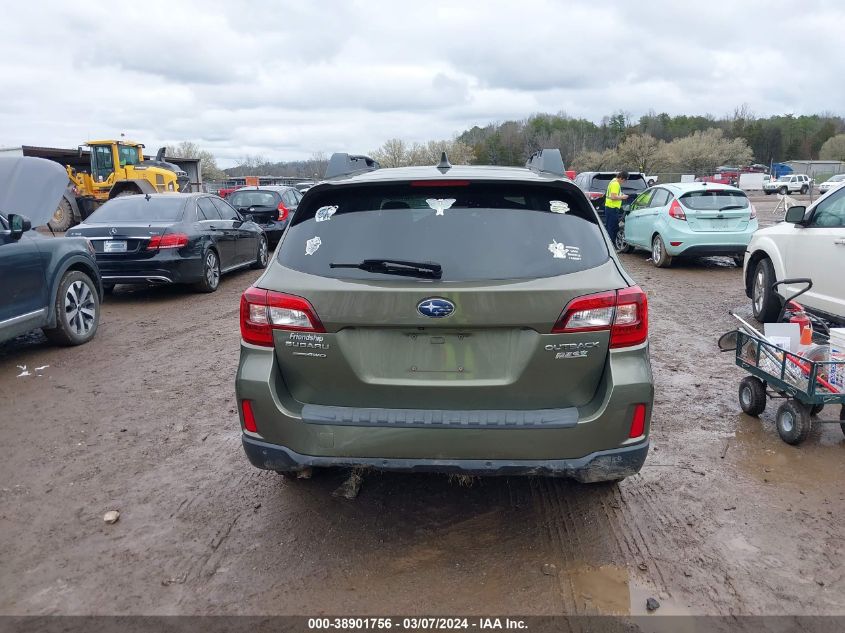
(263, 311)
(249, 416)
(623, 312)
(753, 212)
(676, 211)
(638, 422)
(168, 240)
(283, 212)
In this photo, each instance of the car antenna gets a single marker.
(444, 164)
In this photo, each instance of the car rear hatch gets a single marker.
(632, 187)
(476, 337)
(262, 205)
(717, 210)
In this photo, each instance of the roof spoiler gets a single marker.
(547, 161)
(343, 164)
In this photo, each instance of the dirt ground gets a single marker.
(723, 519)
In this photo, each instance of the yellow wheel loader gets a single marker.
(118, 168)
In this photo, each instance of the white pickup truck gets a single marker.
(788, 183)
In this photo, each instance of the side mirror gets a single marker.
(795, 215)
(19, 225)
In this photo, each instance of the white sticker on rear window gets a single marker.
(562, 251)
(312, 245)
(440, 204)
(558, 206)
(325, 213)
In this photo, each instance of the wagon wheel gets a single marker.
(752, 395)
(793, 422)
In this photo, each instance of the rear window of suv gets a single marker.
(634, 183)
(474, 231)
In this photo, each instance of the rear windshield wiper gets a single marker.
(426, 270)
(732, 206)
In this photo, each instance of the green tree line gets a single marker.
(769, 139)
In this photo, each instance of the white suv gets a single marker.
(810, 243)
(790, 183)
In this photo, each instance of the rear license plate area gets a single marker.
(114, 246)
(437, 353)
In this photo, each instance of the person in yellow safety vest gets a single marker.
(613, 204)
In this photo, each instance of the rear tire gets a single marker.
(210, 272)
(783, 191)
(77, 310)
(263, 254)
(765, 303)
(621, 244)
(62, 218)
(793, 422)
(659, 255)
(752, 395)
(739, 260)
(805, 189)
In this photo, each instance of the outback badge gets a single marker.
(435, 308)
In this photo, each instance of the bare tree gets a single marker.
(208, 164)
(833, 148)
(642, 152)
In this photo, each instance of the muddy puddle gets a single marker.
(615, 590)
(757, 451)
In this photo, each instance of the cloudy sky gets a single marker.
(286, 79)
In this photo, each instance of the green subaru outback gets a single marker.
(460, 319)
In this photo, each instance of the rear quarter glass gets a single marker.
(481, 231)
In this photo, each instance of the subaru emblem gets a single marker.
(435, 308)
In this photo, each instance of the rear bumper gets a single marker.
(599, 466)
(273, 231)
(292, 435)
(152, 271)
(710, 250)
(705, 243)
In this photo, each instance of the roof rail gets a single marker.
(343, 164)
(547, 161)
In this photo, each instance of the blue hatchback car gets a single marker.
(695, 219)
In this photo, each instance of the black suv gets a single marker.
(594, 184)
(45, 282)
